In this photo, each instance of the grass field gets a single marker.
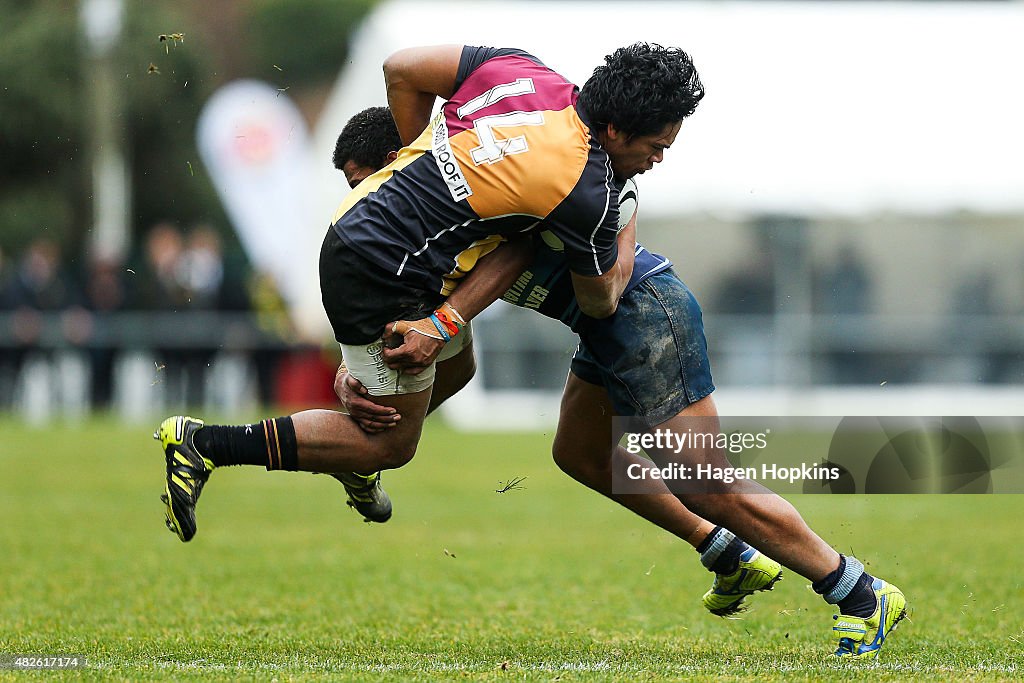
(547, 582)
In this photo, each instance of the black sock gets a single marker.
(849, 588)
(706, 543)
(270, 443)
(861, 600)
(829, 582)
(720, 551)
(729, 560)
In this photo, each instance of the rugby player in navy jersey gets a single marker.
(648, 360)
(405, 235)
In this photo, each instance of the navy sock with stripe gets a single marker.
(848, 587)
(720, 551)
(270, 443)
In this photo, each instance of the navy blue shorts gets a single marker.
(651, 355)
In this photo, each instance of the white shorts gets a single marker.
(366, 364)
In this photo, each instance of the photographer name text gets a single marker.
(728, 475)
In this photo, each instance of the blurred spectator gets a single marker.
(843, 288)
(3, 280)
(749, 288)
(8, 357)
(187, 272)
(272, 317)
(38, 282)
(976, 308)
(43, 310)
(156, 285)
(104, 286)
(200, 268)
(37, 285)
(104, 293)
(200, 275)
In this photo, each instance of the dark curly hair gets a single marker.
(642, 88)
(367, 139)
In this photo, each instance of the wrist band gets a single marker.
(445, 325)
(441, 327)
(446, 321)
(449, 322)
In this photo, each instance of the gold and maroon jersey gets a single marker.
(509, 150)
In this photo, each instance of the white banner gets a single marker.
(255, 145)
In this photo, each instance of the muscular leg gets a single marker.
(871, 608)
(317, 432)
(362, 485)
(329, 441)
(764, 519)
(582, 449)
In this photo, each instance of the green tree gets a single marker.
(307, 40)
(47, 76)
(41, 125)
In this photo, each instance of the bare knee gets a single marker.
(564, 458)
(575, 463)
(390, 454)
(397, 455)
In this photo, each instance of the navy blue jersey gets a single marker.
(546, 286)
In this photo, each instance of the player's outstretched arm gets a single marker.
(492, 276)
(495, 273)
(414, 76)
(599, 296)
